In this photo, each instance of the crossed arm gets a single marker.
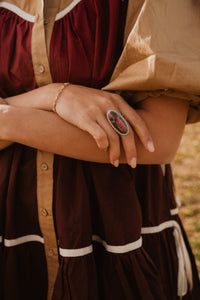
(80, 130)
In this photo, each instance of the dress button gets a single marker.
(44, 167)
(44, 212)
(41, 69)
(51, 252)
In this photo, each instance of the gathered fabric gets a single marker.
(72, 229)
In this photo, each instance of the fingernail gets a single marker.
(133, 162)
(116, 163)
(150, 146)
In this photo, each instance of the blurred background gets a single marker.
(186, 169)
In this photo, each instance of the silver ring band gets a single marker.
(117, 122)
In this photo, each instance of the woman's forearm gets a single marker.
(40, 98)
(86, 108)
(46, 131)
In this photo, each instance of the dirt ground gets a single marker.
(186, 168)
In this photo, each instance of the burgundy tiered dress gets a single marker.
(119, 235)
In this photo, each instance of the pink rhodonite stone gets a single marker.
(117, 122)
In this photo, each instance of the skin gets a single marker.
(81, 116)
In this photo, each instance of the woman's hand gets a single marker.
(86, 108)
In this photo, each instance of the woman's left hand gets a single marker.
(87, 108)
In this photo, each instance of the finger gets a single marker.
(139, 126)
(97, 132)
(119, 124)
(128, 142)
(113, 138)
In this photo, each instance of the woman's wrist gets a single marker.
(40, 98)
(58, 95)
(48, 96)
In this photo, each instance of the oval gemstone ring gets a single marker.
(117, 122)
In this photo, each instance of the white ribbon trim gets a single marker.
(184, 263)
(163, 168)
(182, 278)
(174, 211)
(110, 248)
(76, 252)
(159, 228)
(30, 18)
(65, 11)
(18, 11)
(118, 249)
(23, 239)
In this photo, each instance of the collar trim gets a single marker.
(18, 11)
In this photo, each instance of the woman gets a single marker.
(84, 223)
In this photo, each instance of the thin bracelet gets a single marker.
(58, 95)
(3, 101)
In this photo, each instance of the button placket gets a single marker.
(40, 44)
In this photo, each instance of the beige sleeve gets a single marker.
(161, 53)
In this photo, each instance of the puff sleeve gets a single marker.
(161, 54)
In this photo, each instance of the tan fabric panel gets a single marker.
(44, 159)
(45, 212)
(161, 52)
(39, 50)
(29, 7)
(50, 11)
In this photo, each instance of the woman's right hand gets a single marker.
(86, 108)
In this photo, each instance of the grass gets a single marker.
(186, 166)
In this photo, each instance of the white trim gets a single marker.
(184, 263)
(113, 249)
(160, 227)
(178, 202)
(23, 239)
(119, 249)
(18, 11)
(174, 211)
(182, 284)
(163, 168)
(65, 11)
(75, 252)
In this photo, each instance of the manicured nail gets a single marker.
(150, 146)
(133, 162)
(116, 163)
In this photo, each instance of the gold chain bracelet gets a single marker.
(58, 95)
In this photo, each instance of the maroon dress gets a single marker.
(118, 232)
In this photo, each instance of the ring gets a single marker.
(117, 122)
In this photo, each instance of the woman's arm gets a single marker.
(86, 108)
(165, 118)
